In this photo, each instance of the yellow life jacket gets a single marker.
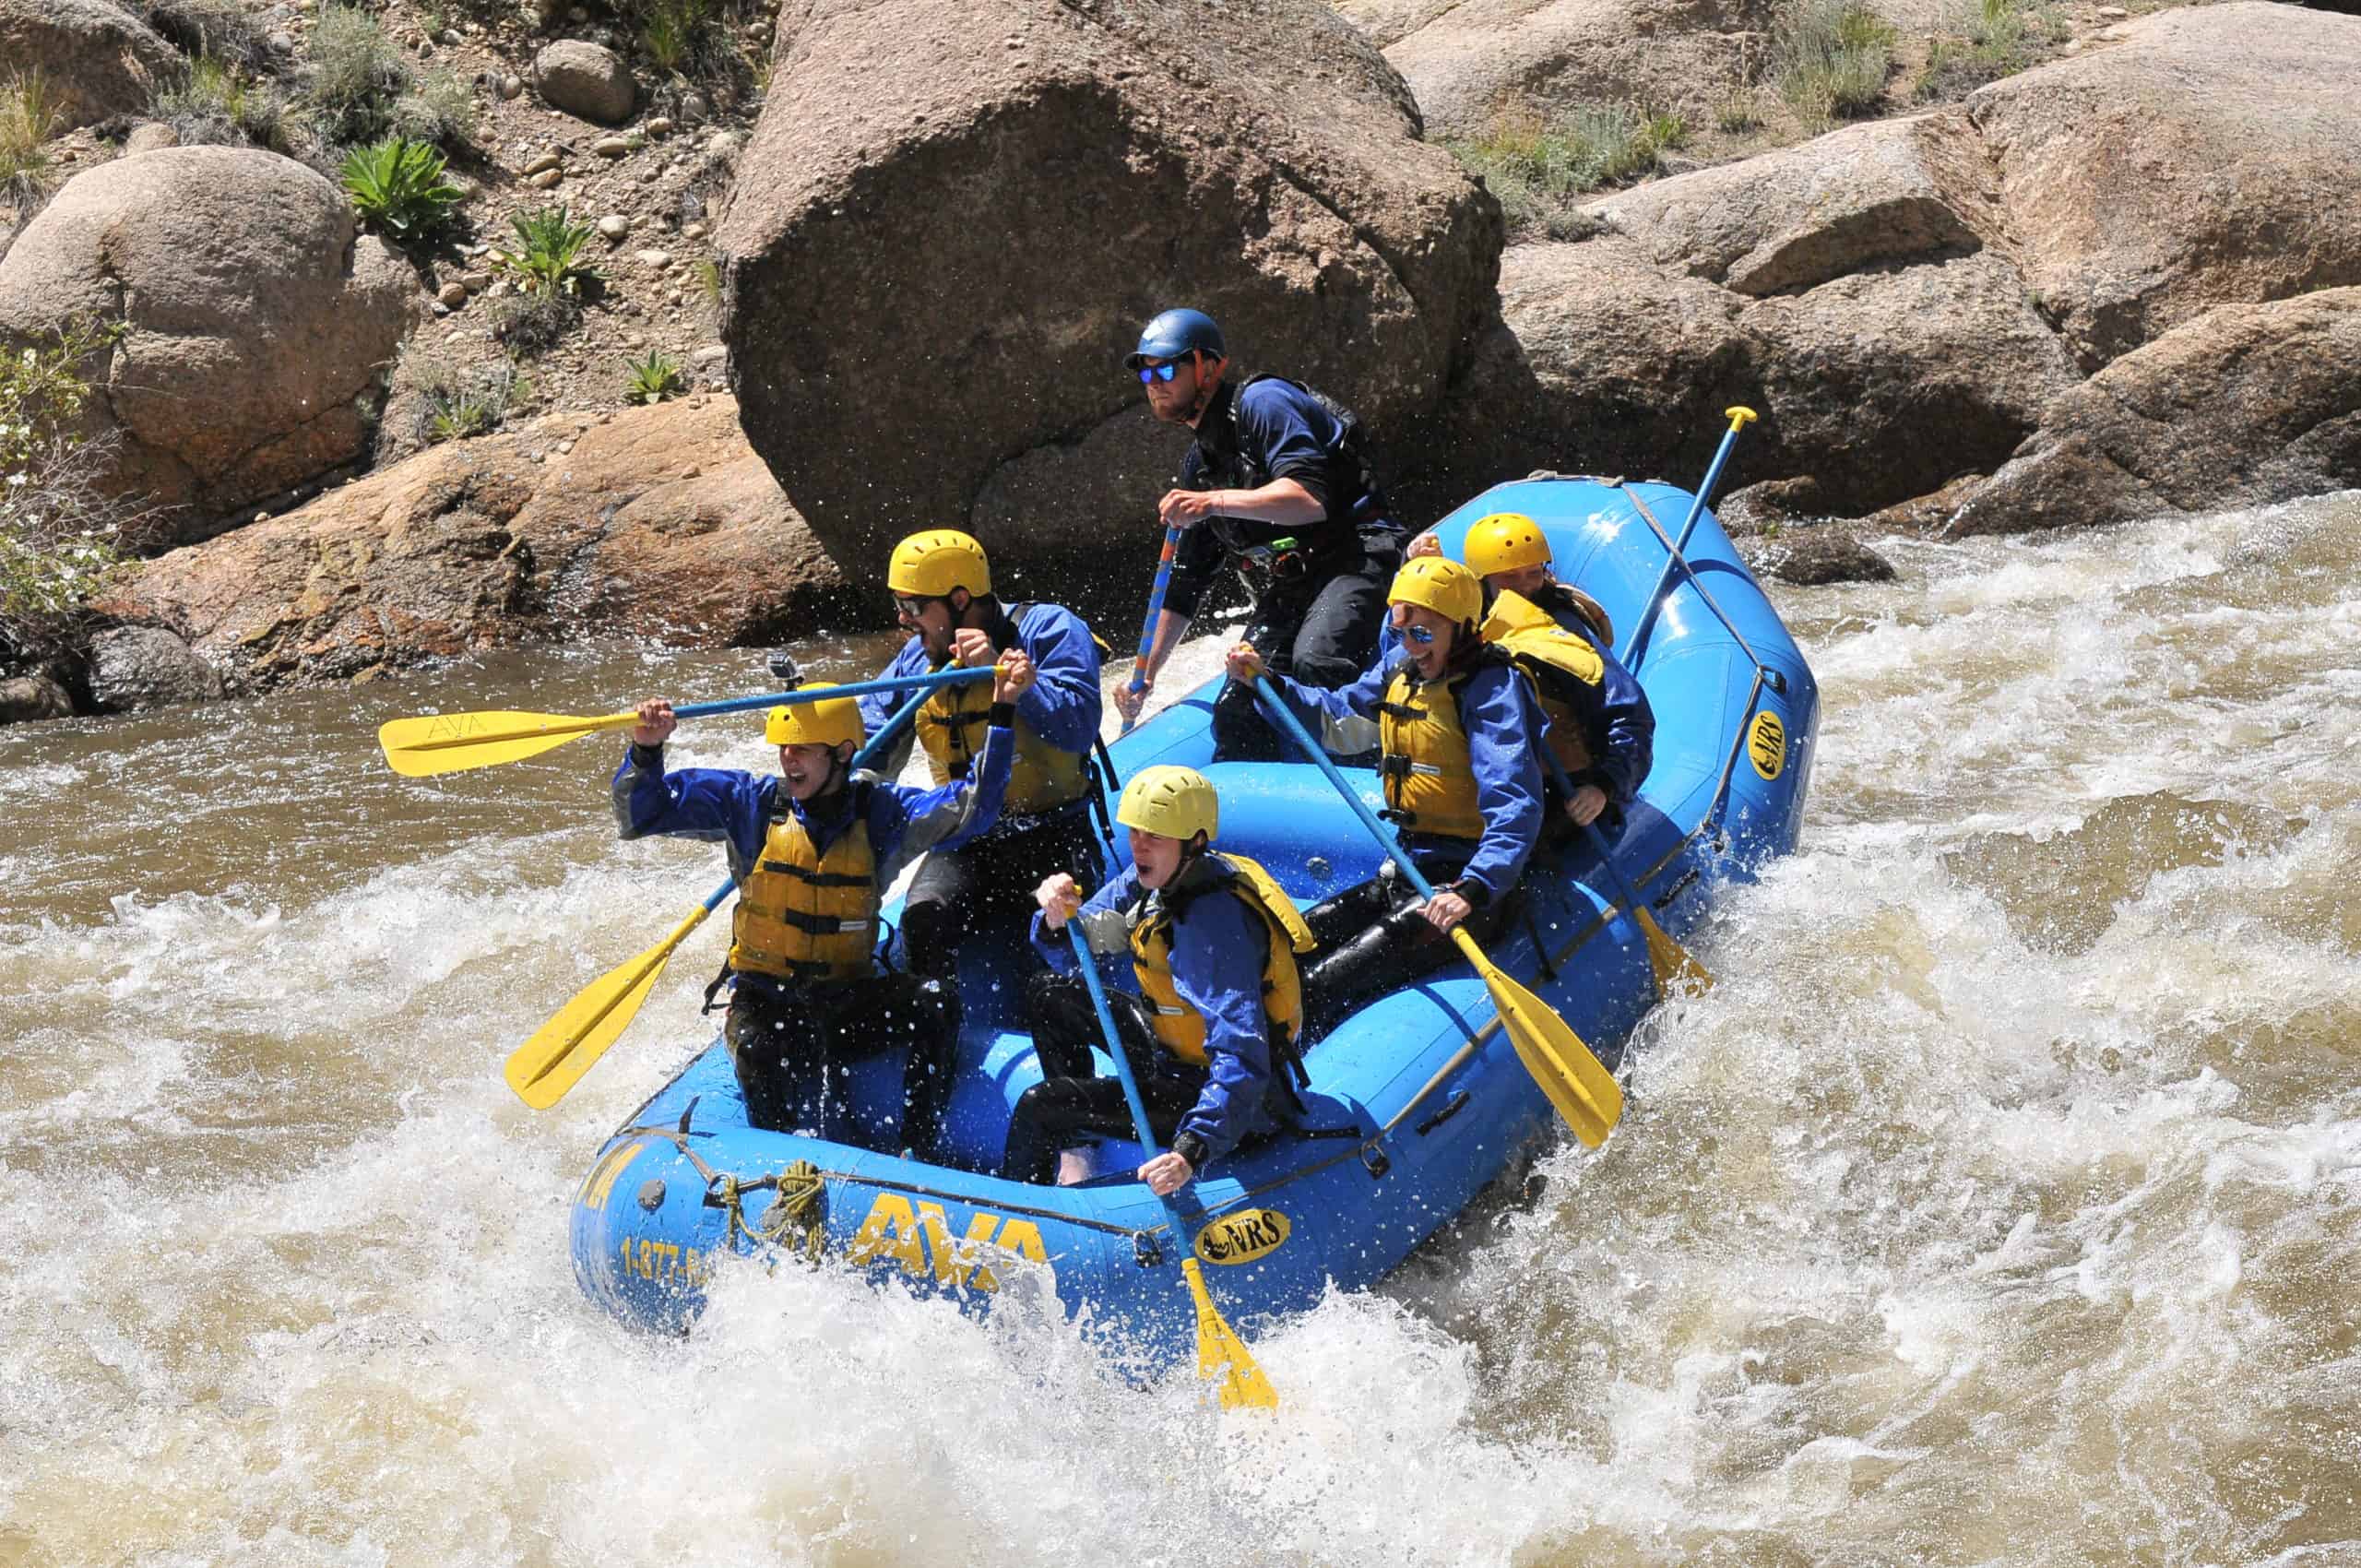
(951, 728)
(1429, 776)
(1179, 1028)
(802, 915)
(1549, 658)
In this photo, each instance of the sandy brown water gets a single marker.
(2001, 1204)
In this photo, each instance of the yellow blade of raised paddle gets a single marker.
(1668, 959)
(447, 743)
(1222, 1355)
(543, 1068)
(1568, 1071)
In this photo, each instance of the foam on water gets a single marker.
(1999, 1203)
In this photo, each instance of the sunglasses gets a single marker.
(1150, 373)
(915, 608)
(1422, 635)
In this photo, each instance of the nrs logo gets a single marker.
(1766, 744)
(1243, 1237)
(918, 1240)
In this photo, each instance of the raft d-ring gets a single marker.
(1375, 1161)
(1145, 1250)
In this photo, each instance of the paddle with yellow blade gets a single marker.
(543, 1068)
(448, 743)
(1568, 1071)
(1222, 1356)
(1667, 959)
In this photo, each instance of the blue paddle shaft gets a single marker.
(1154, 610)
(857, 689)
(1277, 705)
(1679, 563)
(1088, 963)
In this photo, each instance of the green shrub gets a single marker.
(694, 45)
(1737, 111)
(398, 188)
(455, 400)
(57, 526)
(442, 110)
(1995, 39)
(533, 323)
(1830, 58)
(708, 275)
(29, 117)
(356, 77)
(1539, 169)
(546, 256)
(653, 379)
(210, 104)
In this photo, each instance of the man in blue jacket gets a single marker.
(813, 850)
(1458, 729)
(1277, 484)
(942, 584)
(1213, 940)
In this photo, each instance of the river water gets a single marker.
(2001, 1204)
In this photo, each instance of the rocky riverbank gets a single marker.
(2124, 283)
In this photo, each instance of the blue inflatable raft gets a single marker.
(1417, 1101)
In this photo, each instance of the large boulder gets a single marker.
(2208, 158)
(258, 323)
(1874, 386)
(2245, 405)
(662, 526)
(1470, 63)
(952, 220)
(1894, 191)
(95, 59)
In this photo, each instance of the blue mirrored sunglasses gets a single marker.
(1419, 635)
(1165, 372)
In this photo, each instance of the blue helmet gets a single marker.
(1175, 333)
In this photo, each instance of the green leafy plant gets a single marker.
(398, 188)
(455, 400)
(1832, 58)
(546, 256)
(57, 525)
(653, 379)
(28, 118)
(458, 415)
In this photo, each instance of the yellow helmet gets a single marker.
(1505, 541)
(930, 564)
(831, 722)
(1444, 586)
(1177, 803)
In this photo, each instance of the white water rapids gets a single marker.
(1999, 1204)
